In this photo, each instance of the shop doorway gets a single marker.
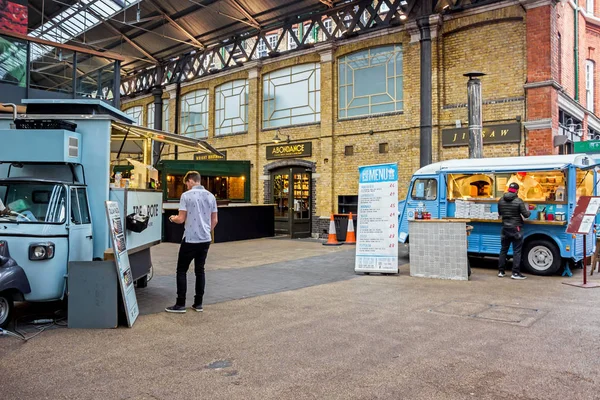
(291, 194)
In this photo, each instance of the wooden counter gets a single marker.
(527, 221)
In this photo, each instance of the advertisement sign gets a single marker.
(376, 242)
(145, 203)
(13, 17)
(289, 150)
(588, 146)
(210, 156)
(115, 225)
(492, 134)
(584, 216)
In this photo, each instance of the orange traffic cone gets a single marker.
(350, 235)
(332, 237)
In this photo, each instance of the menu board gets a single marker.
(115, 224)
(584, 216)
(377, 220)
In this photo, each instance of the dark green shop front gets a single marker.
(229, 181)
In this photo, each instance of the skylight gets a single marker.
(79, 18)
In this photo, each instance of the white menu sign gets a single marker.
(377, 220)
(115, 224)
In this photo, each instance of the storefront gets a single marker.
(227, 180)
(291, 188)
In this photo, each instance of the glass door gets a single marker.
(301, 215)
(281, 199)
(293, 202)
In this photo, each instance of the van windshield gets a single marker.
(26, 202)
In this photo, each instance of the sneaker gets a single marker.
(501, 274)
(518, 276)
(197, 307)
(175, 309)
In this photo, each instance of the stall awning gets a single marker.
(122, 131)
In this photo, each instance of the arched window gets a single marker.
(165, 115)
(231, 107)
(292, 96)
(194, 114)
(370, 82)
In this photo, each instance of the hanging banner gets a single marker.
(376, 242)
(115, 224)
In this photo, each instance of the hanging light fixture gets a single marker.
(138, 13)
(276, 138)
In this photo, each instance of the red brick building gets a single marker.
(563, 52)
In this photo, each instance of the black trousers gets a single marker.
(188, 252)
(510, 236)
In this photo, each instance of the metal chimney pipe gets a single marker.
(475, 114)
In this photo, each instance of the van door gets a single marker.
(81, 244)
(423, 192)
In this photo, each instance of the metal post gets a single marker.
(74, 76)
(117, 85)
(28, 70)
(158, 120)
(475, 114)
(585, 259)
(425, 146)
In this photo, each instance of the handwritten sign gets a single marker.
(584, 216)
(376, 243)
(493, 134)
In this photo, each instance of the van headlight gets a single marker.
(41, 251)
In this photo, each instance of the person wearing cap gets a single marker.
(525, 183)
(512, 210)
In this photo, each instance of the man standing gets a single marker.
(198, 211)
(512, 210)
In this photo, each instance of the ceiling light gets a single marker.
(402, 17)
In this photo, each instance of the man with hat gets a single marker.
(512, 210)
(525, 183)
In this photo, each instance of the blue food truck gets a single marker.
(471, 188)
(55, 177)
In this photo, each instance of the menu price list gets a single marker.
(377, 219)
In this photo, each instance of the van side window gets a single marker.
(80, 213)
(424, 189)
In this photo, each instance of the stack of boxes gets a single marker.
(472, 210)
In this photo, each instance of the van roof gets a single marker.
(509, 163)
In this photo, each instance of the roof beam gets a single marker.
(246, 14)
(328, 3)
(243, 21)
(195, 41)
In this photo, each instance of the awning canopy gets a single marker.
(132, 133)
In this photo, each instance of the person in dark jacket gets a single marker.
(512, 210)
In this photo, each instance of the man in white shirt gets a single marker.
(198, 211)
(525, 183)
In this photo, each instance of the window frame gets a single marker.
(136, 113)
(590, 67)
(204, 114)
(243, 107)
(346, 84)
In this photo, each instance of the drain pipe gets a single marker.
(576, 49)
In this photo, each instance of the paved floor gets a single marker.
(350, 337)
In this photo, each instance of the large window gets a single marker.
(589, 84)
(424, 189)
(136, 114)
(165, 116)
(194, 114)
(292, 96)
(231, 107)
(370, 82)
(589, 6)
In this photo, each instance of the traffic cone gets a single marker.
(332, 237)
(350, 235)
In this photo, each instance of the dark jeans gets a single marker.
(508, 236)
(187, 253)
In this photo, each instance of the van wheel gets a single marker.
(541, 257)
(6, 308)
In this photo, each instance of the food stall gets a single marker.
(55, 168)
(470, 189)
(229, 181)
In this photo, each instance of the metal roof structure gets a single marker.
(164, 42)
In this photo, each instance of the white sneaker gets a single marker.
(501, 274)
(518, 276)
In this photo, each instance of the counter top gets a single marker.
(492, 221)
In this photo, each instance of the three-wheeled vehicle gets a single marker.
(54, 181)
(471, 188)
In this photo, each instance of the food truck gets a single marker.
(471, 188)
(55, 169)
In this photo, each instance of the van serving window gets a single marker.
(424, 189)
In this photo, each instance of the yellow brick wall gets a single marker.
(492, 42)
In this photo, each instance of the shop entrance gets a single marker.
(291, 195)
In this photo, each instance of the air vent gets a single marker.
(73, 146)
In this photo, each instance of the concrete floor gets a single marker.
(369, 337)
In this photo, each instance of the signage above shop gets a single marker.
(289, 150)
(210, 156)
(590, 146)
(492, 134)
